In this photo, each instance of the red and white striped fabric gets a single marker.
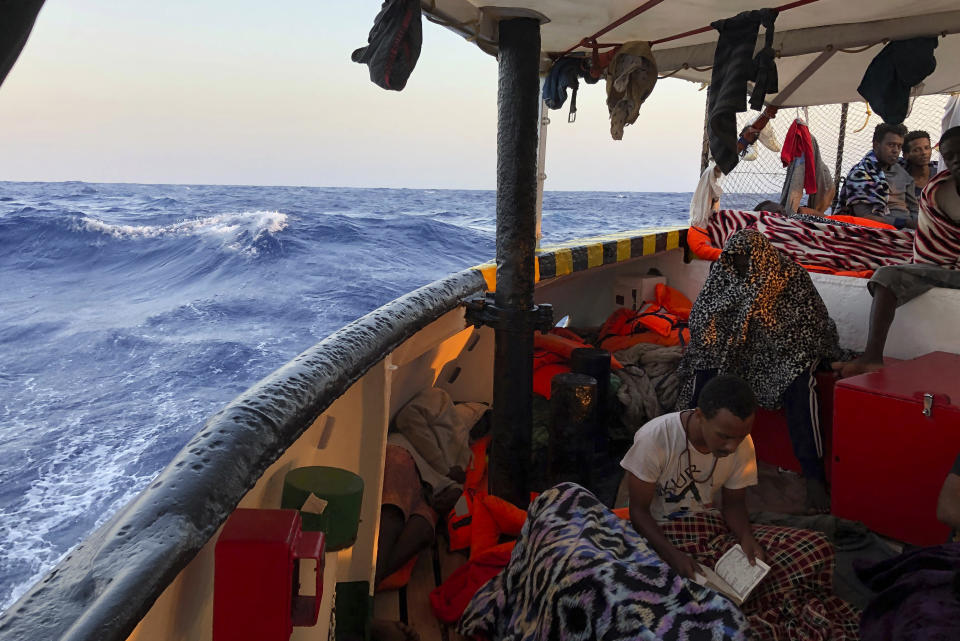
(938, 236)
(815, 242)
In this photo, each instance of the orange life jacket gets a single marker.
(459, 527)
(666, 317)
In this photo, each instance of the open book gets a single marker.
(733, 575)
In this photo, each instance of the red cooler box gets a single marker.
(896, 433)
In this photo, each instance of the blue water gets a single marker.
(130, 313)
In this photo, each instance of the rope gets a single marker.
(682, 68)
(864, 125)
(864, 47)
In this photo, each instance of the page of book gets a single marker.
(734, 568)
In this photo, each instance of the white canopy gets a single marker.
(821, 61)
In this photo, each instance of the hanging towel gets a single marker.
(631, 75)
(708, 190)
(394, 44)
(733, 66)
(951, 118)
(898, 67)
(826, 188)
(798, 143)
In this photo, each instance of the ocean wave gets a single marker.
(248, 233)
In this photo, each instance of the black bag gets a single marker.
(394, 44)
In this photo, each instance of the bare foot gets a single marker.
(855, 367)
(818, 500)
(386, 630)
(446, 499)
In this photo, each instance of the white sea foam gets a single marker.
(80, 477)
(226, 227)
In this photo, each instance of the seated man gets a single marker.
(680, 466)
(916, 160)
(936, 258)
(876, 186)
(948, 504)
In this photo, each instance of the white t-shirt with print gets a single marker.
(659, 455)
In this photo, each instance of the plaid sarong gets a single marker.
(795, 601)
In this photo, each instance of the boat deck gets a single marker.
(777, 491)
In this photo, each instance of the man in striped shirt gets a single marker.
(936, 258)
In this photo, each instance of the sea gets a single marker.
(130, 313)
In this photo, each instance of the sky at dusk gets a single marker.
(243, 92)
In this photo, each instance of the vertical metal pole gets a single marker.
(840, 139)
(541, 162)
(517, 128)
(705, 146)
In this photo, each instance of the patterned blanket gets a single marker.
(938, 236)
(795, 601)
(818, 242)
(580, 572)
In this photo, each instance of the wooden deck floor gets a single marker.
(419, 613)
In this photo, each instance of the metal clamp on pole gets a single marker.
(483, 311)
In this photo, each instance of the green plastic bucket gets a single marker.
(343, 492)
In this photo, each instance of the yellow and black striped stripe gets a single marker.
(582, 254)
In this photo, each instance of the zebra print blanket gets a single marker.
(938, 236)
(818, 242)
(580, 572)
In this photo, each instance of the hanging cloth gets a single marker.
(394, 44)
(18, 19)
(733, 66)
(631, 75)
(898, 67)
(765, 78)
(565, 74)
(708, 190)
(796, 144)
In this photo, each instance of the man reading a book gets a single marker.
(679, 462)
(688, 474)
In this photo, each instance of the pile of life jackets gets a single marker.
(551, 356)
(662, 321)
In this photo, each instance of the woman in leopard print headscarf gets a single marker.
(759, 317)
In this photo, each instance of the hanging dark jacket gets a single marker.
(18, 19)
(394, 44)
(565, 74)
(733, 66)
(899, 66)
